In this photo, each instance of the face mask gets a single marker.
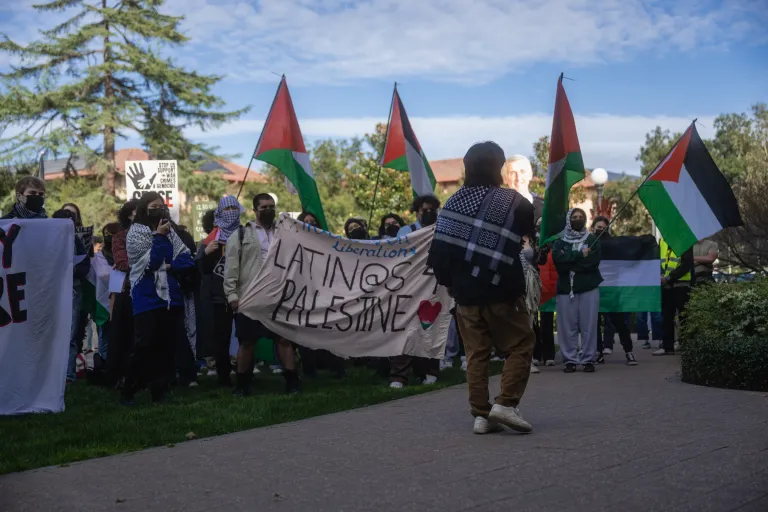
(358, 234)
(429, 217)
(577, 225)
(156, 213)
(34, 203)
(391, 230)
(267, 217)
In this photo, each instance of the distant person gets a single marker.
(705, 254)
(308, 218)
(30, 200)
(426, 208)
(356, 229)
(488, 285)
(676, 278)
(390, 225)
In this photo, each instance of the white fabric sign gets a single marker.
(354, 298)
(35, 313)
(116, 281)
(161, 176)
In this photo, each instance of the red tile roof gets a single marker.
(449, 170)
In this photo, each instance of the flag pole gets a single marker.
(261, 136)
(623, 207)
(378, 174)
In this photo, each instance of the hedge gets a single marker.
(725, 336)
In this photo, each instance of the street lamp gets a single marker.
(599, 178)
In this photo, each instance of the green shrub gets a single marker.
(726, 336)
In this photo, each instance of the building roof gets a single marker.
(449, 170)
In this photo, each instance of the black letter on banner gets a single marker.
(337, 264)
(5, 318)
(312, 258)
(299, 260)
(7, 240)
(385, 319)
(314, 304)
(329, 309)
(284, 297)
(277, 253)
(399, 278)
(16, 295)
(373, 278)
(429, 272)
(302, 296)
(341, 310)
(398, 312)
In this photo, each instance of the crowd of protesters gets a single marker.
(154, 338)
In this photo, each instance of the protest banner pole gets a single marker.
(623, 207)
(253, 155)
(378, 173)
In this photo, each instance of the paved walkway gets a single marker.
(622, 439)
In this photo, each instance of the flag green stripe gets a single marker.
(621, 299)
(670, 223)
(556, 197)
(399, 164)
(99, 313)
(304, 184)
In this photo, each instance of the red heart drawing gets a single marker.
(428, 312)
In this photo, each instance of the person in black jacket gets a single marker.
(210, 260)
(30, 200)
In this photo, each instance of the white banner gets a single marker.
(354, 298)
(161, 176)
(35, 313)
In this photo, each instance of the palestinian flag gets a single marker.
(630, 266)
(282, 146)
(687, 195)
(565, 168)
(402, 151)
(96, 290)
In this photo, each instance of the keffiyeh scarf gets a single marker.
(475, 229)
(532, 287)
(575, 238)
(227, 220)
(22, 212)
(139, 245)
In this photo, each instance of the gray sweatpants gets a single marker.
(578, 314)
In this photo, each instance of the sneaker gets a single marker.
(536, 362)
(601, 359)
(534, 369)
(496, 359)
(550, 362)
(193, 384)
(483, 426)
(256, 370)
(662, 352)
(429, 380)
(677, 346)
(607, 351)
(445, 364)
(510, 417)
(589, 368)
(396, 385)
(569, 368)
(647, 345)
(631, 361)
(277, 371)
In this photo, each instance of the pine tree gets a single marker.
(101, 75)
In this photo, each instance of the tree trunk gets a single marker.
(110, 177)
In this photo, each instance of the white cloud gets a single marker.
(470, 41)
(606, 140)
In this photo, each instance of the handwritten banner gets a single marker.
(354, 298)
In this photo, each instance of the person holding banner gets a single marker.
(476, 255)
(30, 200)
(156, 256)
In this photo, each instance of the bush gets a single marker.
(726, 336)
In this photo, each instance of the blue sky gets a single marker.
(473, 70)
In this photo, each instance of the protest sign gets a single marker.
(198, 210)
(35, 313)
(161, 176)
(354, 298)
(85, 234)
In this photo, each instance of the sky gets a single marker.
(470, 70)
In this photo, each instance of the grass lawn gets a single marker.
(95, 425)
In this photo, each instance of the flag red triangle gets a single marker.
(395, 145)
(669, 168)
(564, 138)
(281, 130)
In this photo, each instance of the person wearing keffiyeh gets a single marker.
(30, 200)
(476, 255)
(156, 256)
(210, 261)
(576, 256)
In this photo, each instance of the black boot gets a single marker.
(292, 385)
(243, 384)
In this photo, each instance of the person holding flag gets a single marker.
(676, 280)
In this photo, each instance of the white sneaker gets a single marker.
(463, 363)
(550, 362)
(607, 351)
(256, 370)
(445, 364)
(536, 362)
(429, 380)
(534, 369)
(193, 384)
(496, 359)
(277, 371)
(660, 352)
(677, 346)
(396, 385)
(483, 426)
(510, 417)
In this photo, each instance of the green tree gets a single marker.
(633, 219)
(98, 76)
(657, 144)
(540, 158)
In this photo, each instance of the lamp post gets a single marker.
(599, 178)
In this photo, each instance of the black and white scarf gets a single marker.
(576, 239)
(139, 245)
(22, 212)
(475, 229)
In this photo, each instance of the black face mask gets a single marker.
(429, 217)
(358, 234)
(267, 217)
(34, 203)
(391, 230)
(577, 225)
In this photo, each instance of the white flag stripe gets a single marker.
(553, 170)
(303, 161)
(692, 206)
(417, 169)
(630, 272)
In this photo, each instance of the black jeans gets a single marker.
(545, 338)
(222, 337)
(673, 300)
(613, 323)
(156, 334)
(120, 337)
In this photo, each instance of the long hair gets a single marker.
(141, 207)
(124, 215)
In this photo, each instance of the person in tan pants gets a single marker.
(476, 255)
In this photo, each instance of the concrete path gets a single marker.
(622, 439)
